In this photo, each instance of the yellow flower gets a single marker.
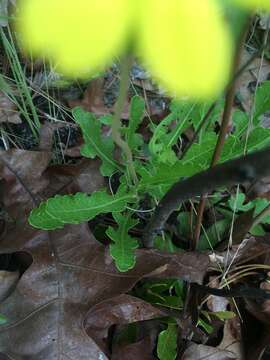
(184, 43)
(253, 4)
(76, 34)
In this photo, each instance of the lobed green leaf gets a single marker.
(95, 144)
(74, 209)
(123, 248)
(167, 343)
(262, 101)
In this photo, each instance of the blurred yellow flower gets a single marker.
(185, 44)
(75, 34)
(253, 4)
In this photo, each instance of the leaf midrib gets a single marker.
(76, 209)
(99, 152)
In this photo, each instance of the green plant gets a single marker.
(154, 173)
(142, 172)
(167, 343)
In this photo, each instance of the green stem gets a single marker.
(226, 118)
(126, 64)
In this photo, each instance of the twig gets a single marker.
(116, 121)
(242, 292)
(245, 168)
(206, 117)
(226, 118)
(213, 105)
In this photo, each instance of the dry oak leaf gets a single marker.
(119, 310)
(70, 273)
(22, 174)
(27, 178)
(8, 110)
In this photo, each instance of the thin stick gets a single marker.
(226, 118)
(245, 168)
(243, 292)
(213, 105)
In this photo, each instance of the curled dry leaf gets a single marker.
(230, 342)
(8, 110)
(122, 309)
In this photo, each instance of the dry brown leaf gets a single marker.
(46, 135)
(196, 351)
(70, 271)
(8, 281)
(74, 152)
(83, 176)
(28, 178)
(93, 100)
(122, 309)
(46, 310)
(8, 110)
(260, 189)
(231, 338)
(259, 71)
(250, 248)
(23, 173)
(216, 303)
